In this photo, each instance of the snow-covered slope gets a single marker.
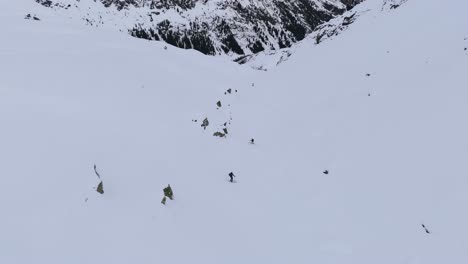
(380, 106)
(212, 27)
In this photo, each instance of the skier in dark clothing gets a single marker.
(231, 175)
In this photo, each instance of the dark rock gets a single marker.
(205, 123)
(49, 3)
(349, 20)
(100, 188)
(46, 3)
(219, 134)
(30, 17)
(168, 192)
(351, 3)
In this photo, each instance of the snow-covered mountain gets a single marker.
(212, 27)
(359, 152)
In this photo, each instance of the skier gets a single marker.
(252, 141)
(231, 175)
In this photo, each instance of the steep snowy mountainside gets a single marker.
(212, 27)
(267, 60)
(359, 151)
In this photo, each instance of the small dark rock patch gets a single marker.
(219, 134)
(31, 17)
(205, 123)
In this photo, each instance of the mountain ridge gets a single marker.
(234, 28)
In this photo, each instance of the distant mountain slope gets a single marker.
(212, 27)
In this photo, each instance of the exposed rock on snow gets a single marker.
(392, 4)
